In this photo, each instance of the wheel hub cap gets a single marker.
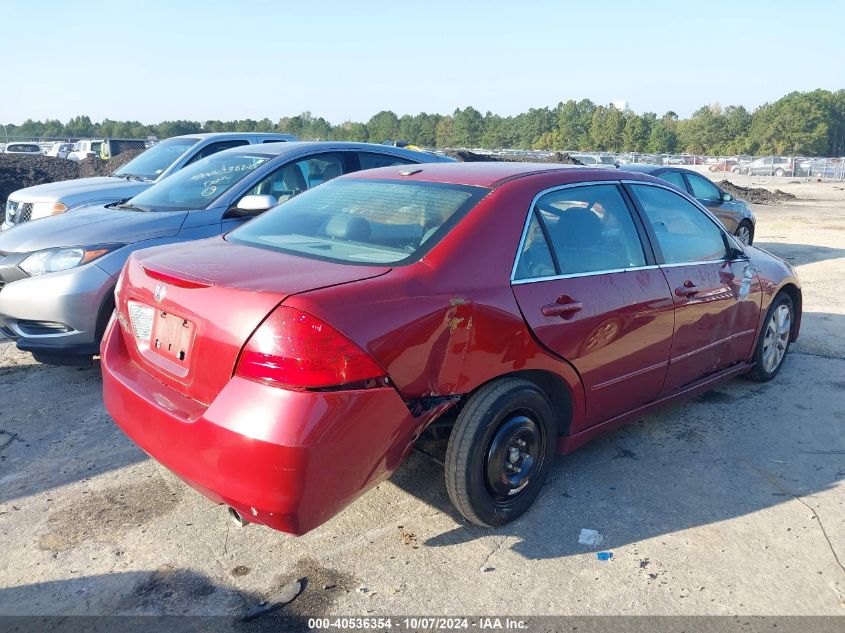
(776, 338)
(514, 452)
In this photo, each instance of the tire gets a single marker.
(779, 172)
(767, 367)
(745, 232)
(736, 170)
(488, 432)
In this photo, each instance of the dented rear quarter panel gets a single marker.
(449, 323)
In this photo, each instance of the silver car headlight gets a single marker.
(52, 260)
(46, 209)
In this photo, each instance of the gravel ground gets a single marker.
(728, 504)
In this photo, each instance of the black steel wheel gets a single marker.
(500, 451)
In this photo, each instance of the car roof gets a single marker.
(225, 135)
(288, 147)
(492, 173)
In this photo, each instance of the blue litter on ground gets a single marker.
(604, 555)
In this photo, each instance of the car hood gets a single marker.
(81, 188)
(92, 225)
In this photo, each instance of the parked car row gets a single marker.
(278, 323)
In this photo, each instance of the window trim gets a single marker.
(648, 253)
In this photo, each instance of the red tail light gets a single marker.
(297, 350)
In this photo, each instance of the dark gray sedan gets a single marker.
(734, 213)
(58, 275)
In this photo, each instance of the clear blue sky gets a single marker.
(152, 60)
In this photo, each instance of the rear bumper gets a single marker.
(289, 460)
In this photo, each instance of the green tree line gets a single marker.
(801, 123)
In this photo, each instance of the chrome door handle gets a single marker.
(562, 309)
(687, 290)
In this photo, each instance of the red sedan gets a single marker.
(289, 366)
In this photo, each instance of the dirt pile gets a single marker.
(96, 167)
(20, 170)
(467, 156)
(756, 195)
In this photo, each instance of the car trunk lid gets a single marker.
(187, 310)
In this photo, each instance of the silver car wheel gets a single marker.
(776, 338)
(743, 233)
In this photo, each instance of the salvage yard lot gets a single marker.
(730, 503)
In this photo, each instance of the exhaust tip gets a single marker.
(236, 517)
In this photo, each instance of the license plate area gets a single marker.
(172, 337)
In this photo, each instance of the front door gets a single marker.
(715, 290)
(591, 294)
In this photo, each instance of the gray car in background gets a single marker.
(140, 173)
(58, 275)
(733, 213)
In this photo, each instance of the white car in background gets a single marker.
(60, 150)
(22, 148)
(86, 148)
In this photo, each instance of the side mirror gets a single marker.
(726, 197)
(736, 253)
(253, 204)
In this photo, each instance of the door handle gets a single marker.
(562, 309)
(688, 290)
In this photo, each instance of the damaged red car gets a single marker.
(287, 367)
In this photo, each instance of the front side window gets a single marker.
(590, 229)
(684, 232)
(360, 221)
(200, 184)
(151, 163)
(703, 189)
(293, 178)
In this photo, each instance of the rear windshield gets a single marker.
(362, 221)
(150, 164)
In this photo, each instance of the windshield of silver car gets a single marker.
(150, 164)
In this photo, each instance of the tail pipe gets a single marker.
(236, 517)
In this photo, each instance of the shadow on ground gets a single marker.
(800, 254)
(169, 599)
(739, 449)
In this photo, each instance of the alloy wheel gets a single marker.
(776, 338)
(743, 233)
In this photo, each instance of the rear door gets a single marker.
(714, 287)
(588, 288)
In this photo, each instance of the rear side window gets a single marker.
(674, 178)
(361, 221)
(684, 232)
(590, 230)
(372, 161)
(535, 258)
